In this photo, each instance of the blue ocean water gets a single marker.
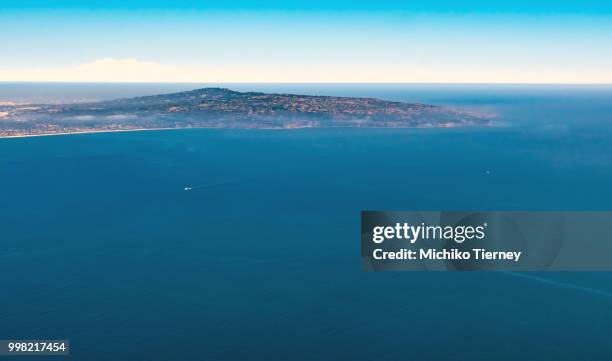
(101, 245)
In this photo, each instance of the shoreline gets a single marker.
(86, 132)
(256, 128)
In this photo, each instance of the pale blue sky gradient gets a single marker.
(545, 44)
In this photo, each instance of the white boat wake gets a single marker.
(221, 184)
(571, 286)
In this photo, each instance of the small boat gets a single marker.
(188, 188)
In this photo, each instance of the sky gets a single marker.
(435, 41)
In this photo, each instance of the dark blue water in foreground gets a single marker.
(101, 245)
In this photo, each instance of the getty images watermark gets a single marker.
(512, 241)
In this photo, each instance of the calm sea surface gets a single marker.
(101, 245)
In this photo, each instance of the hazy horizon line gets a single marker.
(297, 83)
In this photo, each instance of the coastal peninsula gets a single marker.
(225, 108)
